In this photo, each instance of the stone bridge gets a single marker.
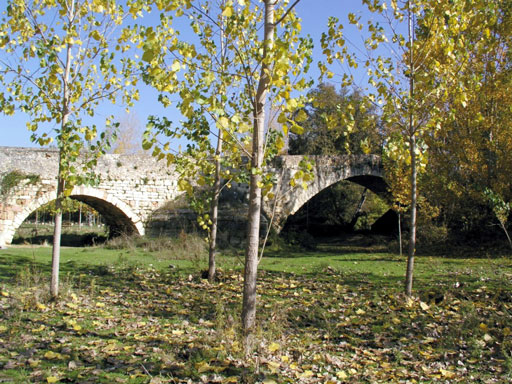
(133, 187)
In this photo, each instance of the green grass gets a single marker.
(334, 315)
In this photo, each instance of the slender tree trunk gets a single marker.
(504, 227)
(253, 225)
(357, 213)
(215, 211)
(412, 149)
(400, 232)
(412, 238)
(217, 182)
(80, 215)
(57, 231)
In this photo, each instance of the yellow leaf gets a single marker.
(39, 329)
(185, 186)
(5, 294)
(483, 327)
(273, 347)
(301, 116)
(50, 355)
(176, 66)
(446, 373)
(222, 122)
(274, 366)
(203, 366)
(33, 362)
(228, 11)
(306, 373)
(285, 359)
(231, 379)
(77, 327)
(51, 379)
(507, 331)
(424, 306)
(100, 305)
(360, 312)
(41, 307)
(177, 332)
(297, 129)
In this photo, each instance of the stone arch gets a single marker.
(375, 184)
(119, 215)
(367, 173)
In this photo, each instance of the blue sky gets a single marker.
(314, 14)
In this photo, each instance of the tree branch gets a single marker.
(286, 13)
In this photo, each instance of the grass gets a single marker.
(143, 314)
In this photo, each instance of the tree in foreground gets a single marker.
(60, 60)
(249, 60)
(413, 58)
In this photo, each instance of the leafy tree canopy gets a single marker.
(337, 122)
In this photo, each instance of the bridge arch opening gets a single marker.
(117, 215)
(344, 206)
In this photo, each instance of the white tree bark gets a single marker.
(253, 229)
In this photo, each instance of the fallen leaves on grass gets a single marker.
(147, 326)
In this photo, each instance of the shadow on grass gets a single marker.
(137, 299)
(67, 239)
(13, 266)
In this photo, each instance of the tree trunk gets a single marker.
(253, 225)
(412, 238)
(504, 227)
(412, 151)
(357, 213)
(57, 232)
(214, 212)
(400, 232)
(216, 185)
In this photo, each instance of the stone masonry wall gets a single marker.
(133, 188)
(135, 185)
